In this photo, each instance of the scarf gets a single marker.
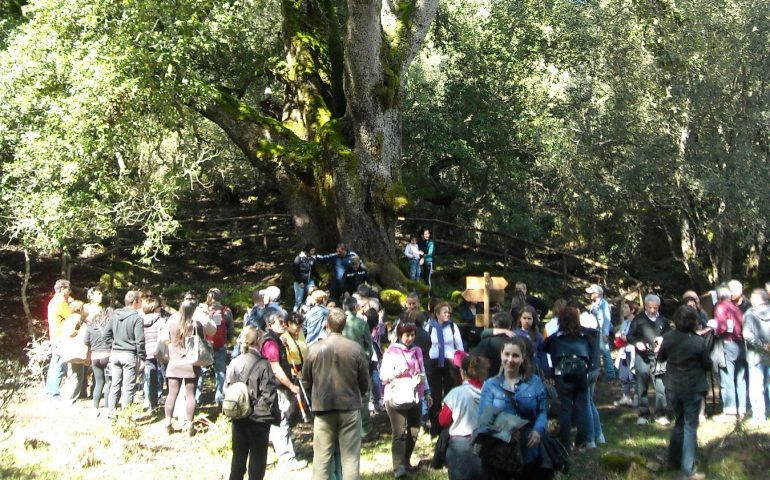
(440, 338)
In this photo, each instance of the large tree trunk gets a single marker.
(339, 156)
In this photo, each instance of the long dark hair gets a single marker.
(186, 311)
(569, 321)
(526, 359)
(532, 332)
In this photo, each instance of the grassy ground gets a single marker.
(53, 441)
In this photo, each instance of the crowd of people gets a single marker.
(335, 357)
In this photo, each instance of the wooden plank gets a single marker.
(495, 296)
(477, 283)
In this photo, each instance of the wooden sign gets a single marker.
(485, 289)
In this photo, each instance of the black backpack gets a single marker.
(573, 368)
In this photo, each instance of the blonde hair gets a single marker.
(250, 337)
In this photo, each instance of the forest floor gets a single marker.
(50, 440)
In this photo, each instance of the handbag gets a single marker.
(197, 350)
(553, 455)
(404, 392)
(72, 348)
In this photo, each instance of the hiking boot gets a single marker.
(662, 421)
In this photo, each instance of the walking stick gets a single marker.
(302, 391)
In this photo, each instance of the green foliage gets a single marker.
(14, 380)
(392, 301)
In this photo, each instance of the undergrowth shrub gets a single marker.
(14, 380)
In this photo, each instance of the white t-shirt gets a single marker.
(463, 401)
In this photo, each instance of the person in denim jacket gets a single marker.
(517, 382)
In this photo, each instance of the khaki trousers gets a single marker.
(330, 429)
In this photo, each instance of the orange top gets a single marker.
(58, 311)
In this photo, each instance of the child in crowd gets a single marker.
(413, 254)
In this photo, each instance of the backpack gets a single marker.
(219, 339)
(573, 368)
(236, 403)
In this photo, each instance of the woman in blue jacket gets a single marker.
(518, 391)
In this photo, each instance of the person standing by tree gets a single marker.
(340, 261)
(646, 333)
(729, 330)
(188, 321)
(756, 332)
(250, 435)
(426, 247)
(274, 351)
(413, 253)
(355, 275)
(601, 310)
(687, 361)
(222, 317)
(304, 268)
(58, 311)
(356, 329)
(403, 359)
(336, 399)
(126, 333)
(442, 374)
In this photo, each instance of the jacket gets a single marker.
(401, 361)
(756, 332)
(561, 345)
(601, 310)
(729, 320)
(262, 386)
(644, 330)
(152, 322)
(357, 330)
(126, 332)
(283, 359)
(336, 374)
(315, 324)
(304, 268)
(490, 348)
(530, 404)
(688, 360)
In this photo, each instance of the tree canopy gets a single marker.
(632, 131)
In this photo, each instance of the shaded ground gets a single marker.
(51, 441)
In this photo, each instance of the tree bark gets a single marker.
(336, 153)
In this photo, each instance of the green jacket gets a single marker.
(357, 330)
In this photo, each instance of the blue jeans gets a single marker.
(759, 376)
(376, 387)
(414, 269)
(220, 367)
(593, 413)
(732, 379)
(152, 383)
(299, 294)
(609, 367)
(684, 436)
(574, 403)
(56, 372)
(461, 462)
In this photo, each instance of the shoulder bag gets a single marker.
(404, 391)
(197, 350)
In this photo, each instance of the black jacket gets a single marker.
(688, 360)
(262, 386)
(490, 348)
(126, 332)
(644, 330)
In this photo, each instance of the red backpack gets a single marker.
(219, 339)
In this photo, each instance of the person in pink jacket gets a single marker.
(403, 360)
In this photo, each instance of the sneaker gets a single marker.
(601, 440)
(662, 421)
(694, 476)
(293, 465)
(590, 445)
(642, 421)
